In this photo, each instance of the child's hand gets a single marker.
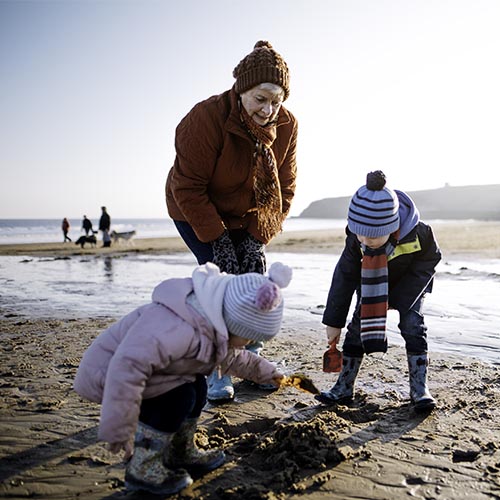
(125, 445)
(333, 334)
(278, 379)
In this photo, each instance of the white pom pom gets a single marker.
(280, 274)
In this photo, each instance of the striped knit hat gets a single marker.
(253, 304)
(374, 208)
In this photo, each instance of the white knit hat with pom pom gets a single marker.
(253, 303)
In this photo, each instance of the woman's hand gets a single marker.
(333, 334)
(225, 254)
(128, 446)
(251, 256)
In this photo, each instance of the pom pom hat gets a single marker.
(248, 305)
(374, 208)
(262, 65)
(253, 304)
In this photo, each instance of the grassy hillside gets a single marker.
(459, 202)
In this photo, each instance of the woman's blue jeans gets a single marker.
(203, 251)
(411, 326)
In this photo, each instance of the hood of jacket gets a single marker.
(209, 286)
(173, 293)
(409, 216)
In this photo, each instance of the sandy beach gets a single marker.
(279, 445)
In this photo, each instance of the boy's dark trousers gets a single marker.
(411, 325)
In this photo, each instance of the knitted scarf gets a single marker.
(374, 297)
(266, 184)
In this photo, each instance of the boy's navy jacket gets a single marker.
(411, 268)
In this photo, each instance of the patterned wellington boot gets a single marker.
(220, 387)
(146, 471)
(343, 390)
(184, 453)
(419, 391)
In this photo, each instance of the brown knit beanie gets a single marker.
(262, 65)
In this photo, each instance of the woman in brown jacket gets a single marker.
(234, 174)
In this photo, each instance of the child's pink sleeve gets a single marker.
(247, 365)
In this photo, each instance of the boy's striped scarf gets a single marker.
(374, 298)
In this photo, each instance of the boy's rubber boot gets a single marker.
(184, 453)
(419, 391)
(343, 390)
(220, 388)
(146, 472)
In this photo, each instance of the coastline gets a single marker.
(464, 238)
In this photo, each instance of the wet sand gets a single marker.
(279, 445)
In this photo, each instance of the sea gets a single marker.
(462, 313)
(15, 231)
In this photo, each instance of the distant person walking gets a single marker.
(87, 226)
(65, 226)
(104, 225)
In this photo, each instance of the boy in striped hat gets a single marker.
(389, 260)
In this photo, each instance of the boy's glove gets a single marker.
(225, 254)
(333, 334)
(251, 255)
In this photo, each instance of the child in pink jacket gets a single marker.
(148, 370)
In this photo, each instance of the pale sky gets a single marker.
(91, 93)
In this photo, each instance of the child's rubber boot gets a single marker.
(343, 390)
(220, 388)
(185, 454)
(146, 472)
(419, 391)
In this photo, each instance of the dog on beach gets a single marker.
(125, 237)
(92, 240)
